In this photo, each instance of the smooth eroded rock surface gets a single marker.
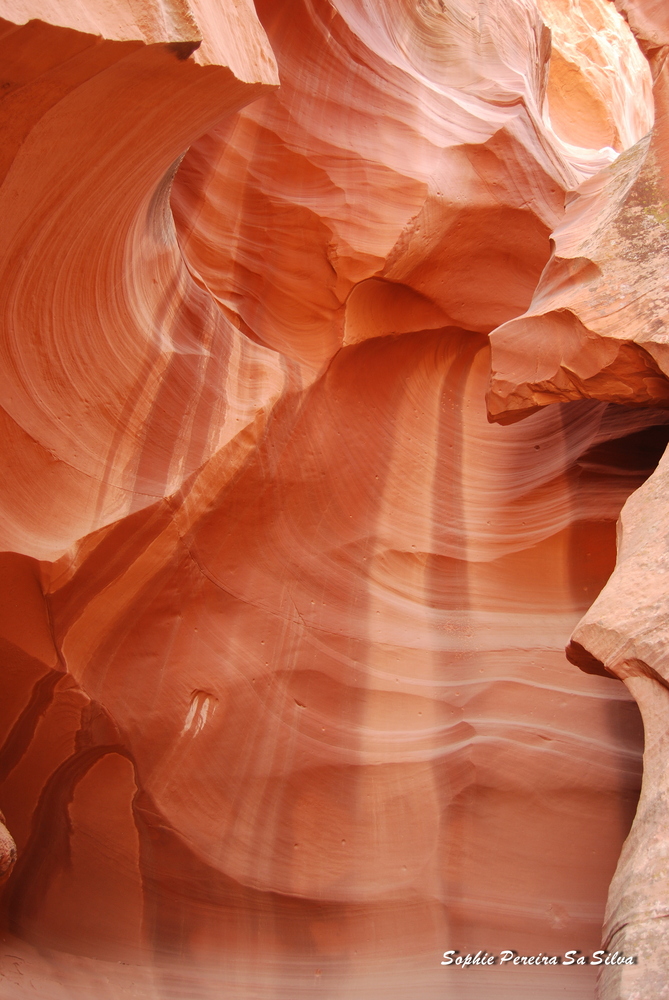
(286, 577)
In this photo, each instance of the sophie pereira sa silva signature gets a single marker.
(513, 958)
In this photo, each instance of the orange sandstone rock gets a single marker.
(7, 851)
(283, 614)
(597, 328)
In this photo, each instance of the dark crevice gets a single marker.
(48, 848)
(21, 734)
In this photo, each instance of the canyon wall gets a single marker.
(332, 349)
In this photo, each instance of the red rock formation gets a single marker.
(284, 613)
(7, 851)
(597, 328)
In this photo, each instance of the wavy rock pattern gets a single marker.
(597, 328)
(287, 708)
(597, 323)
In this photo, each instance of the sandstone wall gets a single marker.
(333, 345)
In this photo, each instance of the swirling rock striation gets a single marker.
(284, 612)
(597, 328)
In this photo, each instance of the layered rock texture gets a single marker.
(333, 345)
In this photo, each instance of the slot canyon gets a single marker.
(334, 517)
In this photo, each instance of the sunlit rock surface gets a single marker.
(286, 711)
(597, 323)
(597, 327)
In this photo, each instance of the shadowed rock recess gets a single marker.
(334, 390)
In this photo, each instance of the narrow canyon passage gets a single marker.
(332, 346)
(329, 724)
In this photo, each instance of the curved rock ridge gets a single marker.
(603, 99)
(603, 301)
(381, 158)
(215, 34)
(278, 741)
(630, 640)
(282, 612)
(649, 20)
(597, 323)
(119, 377)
